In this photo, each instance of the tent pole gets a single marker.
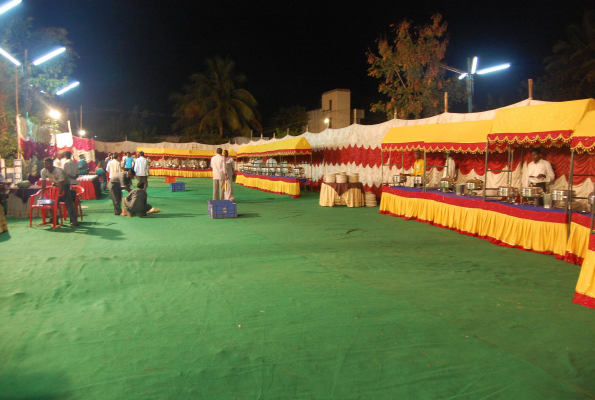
(381, 168)
(569, 198)
(424, 181)
(485, 171)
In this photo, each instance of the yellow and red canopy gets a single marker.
(549, 124)
(583, 139)
(279, 148)
(460, 137)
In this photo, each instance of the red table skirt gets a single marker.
(92, 189)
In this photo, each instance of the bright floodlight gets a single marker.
(48, 56)
(82, 132)
(5, 54)
(9, 5)
(474, 66)
(492, 69)
(54, 114)
(326, 121)
(67, 88)
(463, 76)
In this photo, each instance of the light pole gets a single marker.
(470, 73)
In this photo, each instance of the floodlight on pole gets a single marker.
(9, 5)
(463, 76)
(49, 55)
(474, 65)
(67, 88)
(82, 132)
(11, 58)
(492, 69)
(54, 114)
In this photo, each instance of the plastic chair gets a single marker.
(51, 193)
(76, 203)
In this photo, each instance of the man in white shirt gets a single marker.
(219, 175)
(141, 169)
(451, 170)
(71, 169)
(229, 168)
(59, 178)
(539, 173)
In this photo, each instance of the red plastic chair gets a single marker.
(51, 193)
(76, 203)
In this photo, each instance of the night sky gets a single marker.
(139, 52)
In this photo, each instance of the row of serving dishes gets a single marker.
(272, 171)
(448, 184)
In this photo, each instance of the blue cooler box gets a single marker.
(222, 209)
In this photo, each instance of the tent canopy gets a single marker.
(278, 148)
(549, 124)
(407, 137)
(462, 137)
(583, 139)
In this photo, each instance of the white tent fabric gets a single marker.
(366, 136)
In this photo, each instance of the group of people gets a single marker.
(223, 167)
(113, 165)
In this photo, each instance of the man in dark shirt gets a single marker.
(136, 202)
(119, 181)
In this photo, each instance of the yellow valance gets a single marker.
(281, 147)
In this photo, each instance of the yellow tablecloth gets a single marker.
(539, 236)
(585, 287)
(277, 185)
(181, 173)
(3, 226)
(351, 198)
(578, 244)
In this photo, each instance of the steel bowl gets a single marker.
(531, 192)
(506, 191)
(447, 183)
(399, 179)
(560, 195)
(474, 185)
(418, 180)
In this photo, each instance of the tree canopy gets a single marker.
(409, 66)
(570, 70)
(293, 118)
(214, 105)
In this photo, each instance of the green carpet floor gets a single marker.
(288, 301)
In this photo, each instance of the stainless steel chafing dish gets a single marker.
(399, 179)
(297, 172)
(592, 199)
(474, 184)
(284, 170)
(530, 192)
(460, 189)
(506, 191)
(447, 183)
(560, 195)
(418, 180)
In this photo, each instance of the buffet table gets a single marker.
(181, 173)
(19, 201)
(349, 194)
(270, 184)
(524, 227)
(578, 241)
(92, 188)
(584, 293)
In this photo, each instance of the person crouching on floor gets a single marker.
(119, 181)
(136, 203)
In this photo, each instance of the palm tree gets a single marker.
(571, 69)
(215, 103)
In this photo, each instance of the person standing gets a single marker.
(128, 162)
(218, 167)
(229, 168)
(418, 166)
(72, 170)
(141, 169)
(539, 173)
(113, 167)
(100, 172)
(58, 178)
(83, 166)
(118, 182)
